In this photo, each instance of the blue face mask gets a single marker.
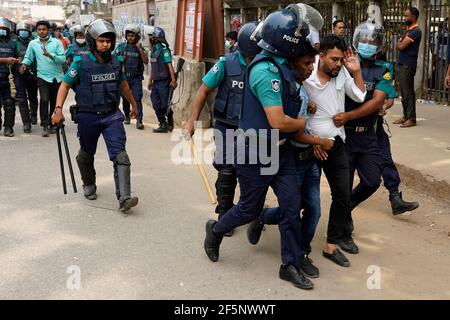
(367, 51)
(24, 34)
(3, 33)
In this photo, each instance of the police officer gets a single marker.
(8, 56)
(78, 46)
(269, 116)
(26, 83)
(360, 119)
(100, 80)
(162, 77)
(228, 76)
(135, 57)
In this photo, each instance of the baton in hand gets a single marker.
(59, 128)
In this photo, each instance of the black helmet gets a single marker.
(97, 28)
(78, 28)
(283, 30)
(248, 38)
(5, 23)
(23, 25)
(134, 29)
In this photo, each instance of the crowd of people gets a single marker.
(317, 105)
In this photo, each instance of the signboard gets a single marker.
(189, 28)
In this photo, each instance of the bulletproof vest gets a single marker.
(160, 70)
(98, 89)
(132, 60)
(371, 76)
(80, 50)
(7, 50)
(228, 103)
(22, 45)
(252, 113)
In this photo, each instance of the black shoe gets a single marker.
(348, 245)
(291, 274)
(337, 257)
(45, 132)
(127, 120)
(308, 268)
(162, 128)
(33, 119)
(8, 132)
(254, 230)
(170, 124)
(139, 125)
(127, 204)
(52, 130)
(212, 242)
(90, 192)
(399, 206)
(27, 128)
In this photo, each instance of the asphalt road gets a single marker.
(55, 246)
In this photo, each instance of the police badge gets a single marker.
(275, 85)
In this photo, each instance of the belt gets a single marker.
(281, 142)
(358, 129)
(303, 153)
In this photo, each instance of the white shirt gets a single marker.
(330, 100)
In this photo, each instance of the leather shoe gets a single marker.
(337, 257)
(348, 245)
(254, 230)
(291, 274)
(212, 242)
(308, 268)
(399, 121)
(408, 123)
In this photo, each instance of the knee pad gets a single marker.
(122, 159)
(84, 158)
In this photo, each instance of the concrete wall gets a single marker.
(131, 12)
(166, 18)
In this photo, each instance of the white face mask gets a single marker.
(80, 41)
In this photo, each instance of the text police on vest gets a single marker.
(104, 77)
(239, 84)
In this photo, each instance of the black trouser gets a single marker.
(337, 172)
(47, 92)
(26, 86)
(405, 78)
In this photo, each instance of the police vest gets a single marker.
(80, 50)
(371, 76)
(132, 61)
(7, 50)
(160, 70)
(98, 88)
(253, 115)
(228, 102)
(22, 45)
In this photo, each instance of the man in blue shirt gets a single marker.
(408, 50)
(49, 55)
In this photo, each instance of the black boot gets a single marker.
(27, 127)
(399, 206)
(85, 163)
(45, 132)
(255, 229)
(126, 201)
(162, 128)
(116, 182)
(212, 242)
(33, 119)
(225, 186)
(127, 119)
(170, 124)
(139, 125)
(9, 132)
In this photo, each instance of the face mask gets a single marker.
(228, 44)
(3, 33)
(407, 23)
(80, 41)
(24, 34)
(44, 38)
(366, 50)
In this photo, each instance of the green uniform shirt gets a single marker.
(166, 56)
(265, 81)
(215, 75)
(385, 85)
(69, 51)
(75, 69)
